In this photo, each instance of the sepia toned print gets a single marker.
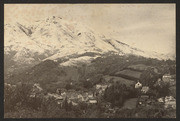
(89, 61)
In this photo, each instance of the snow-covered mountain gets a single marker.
(54, 38)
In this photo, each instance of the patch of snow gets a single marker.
(76, 61)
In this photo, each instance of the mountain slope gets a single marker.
(54, 38)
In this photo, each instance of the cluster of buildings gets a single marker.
(74, 97)
(168, 101)
(145, 100)
(128, 76)
(100, 88)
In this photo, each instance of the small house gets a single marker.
(74, 103)
(111, 110)
(63, 93)
(90, 95)
(81, 98)
(101, 86)
(60, 102)
(166, 78)
(167, 98)
(92, 101)
(108, 105)
(160, 100)
(170, 102)
(98, 86)
(138, 85)
(145, 89)
(143, 100)
(104, 87)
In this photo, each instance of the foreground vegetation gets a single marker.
(20, 104)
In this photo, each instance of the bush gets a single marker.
(163, 89)
(9, 98)
(118, 93)
(68, 87)
(17, 95)
(156, 111)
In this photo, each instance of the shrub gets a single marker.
(118, 93)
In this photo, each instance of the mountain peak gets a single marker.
(55, 37)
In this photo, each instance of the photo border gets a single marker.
(2, 2)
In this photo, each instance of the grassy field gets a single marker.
(139, 67)
(120, 80)
(130, 74)
(130, 103)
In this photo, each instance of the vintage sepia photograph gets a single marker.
(90, 60)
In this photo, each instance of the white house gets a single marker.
(98, 86)
(56, 96)
(101, 86)
(81, 97)
(104, 87)
(166, 77)
(161, 100)
(90, 95)
(92, 101)
(138, 85)
(63, 94)
(74, 104)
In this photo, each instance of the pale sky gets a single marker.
(149, 27)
